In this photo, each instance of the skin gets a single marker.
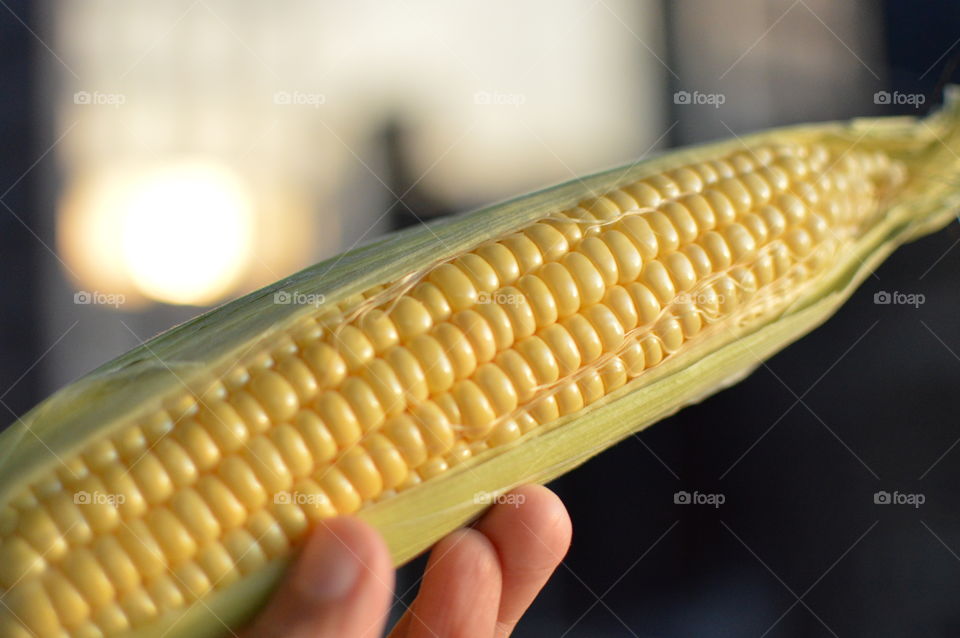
(478, 581)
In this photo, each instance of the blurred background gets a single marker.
(159, 158)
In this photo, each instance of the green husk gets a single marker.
(193, 353)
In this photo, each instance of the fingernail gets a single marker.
(329, 570)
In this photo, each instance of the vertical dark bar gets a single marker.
(19, 247)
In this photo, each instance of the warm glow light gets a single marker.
(186, 233)
(182, 233)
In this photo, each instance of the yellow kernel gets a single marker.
(569, 399)
(316, 436)
(563, 347)
(190, 508)
(638, 229)
(645, 195)
(563, 288)
(363, 402)
(199, 444)
(239, 477)
(353, 346)
(152, 479)
(656, 277)
(138, 607)
(326, 363)
(591, 386)
(478, 413)
(501, 260)
(667, 236)
(723, 209)
(629, 262)
(192, 580)
(741, 242)
(541, 360)
(606, 326)
(18, 561)
(335, 412)
(496, 386)
(541, 299)
(176, 461)
(412, 378)
(585, 335)
(517, 307)
(499, 323)
(589, 280)
(269, 534)
(361, 471)
(70, 605)
(549, 240)
(435, 363)
(405, 435)
(165, 593)
(246, 553)
(267, 464)
(434, 427)
(224, 425)
(682, 220)
(599, 253)
(172, 536)
(82, 568)
(478, 332)
(646, 303)
(431, 297)
(456, 286)
(411, 317)
(457, 348)
(520, 372)
(341, 491)
(619, 301)
(479, 271)
(385, 384)
(390, 462)
(737, 193)
(681, 271)
(251, 412)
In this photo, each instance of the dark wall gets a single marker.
(21, 235)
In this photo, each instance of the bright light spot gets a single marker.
(186, 233)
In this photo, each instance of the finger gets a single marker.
(460, 594)
(531, 533)
(340, 587)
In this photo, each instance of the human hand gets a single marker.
(478, 582)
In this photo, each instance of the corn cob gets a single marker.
(166, 491)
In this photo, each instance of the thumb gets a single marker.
(340, 587)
